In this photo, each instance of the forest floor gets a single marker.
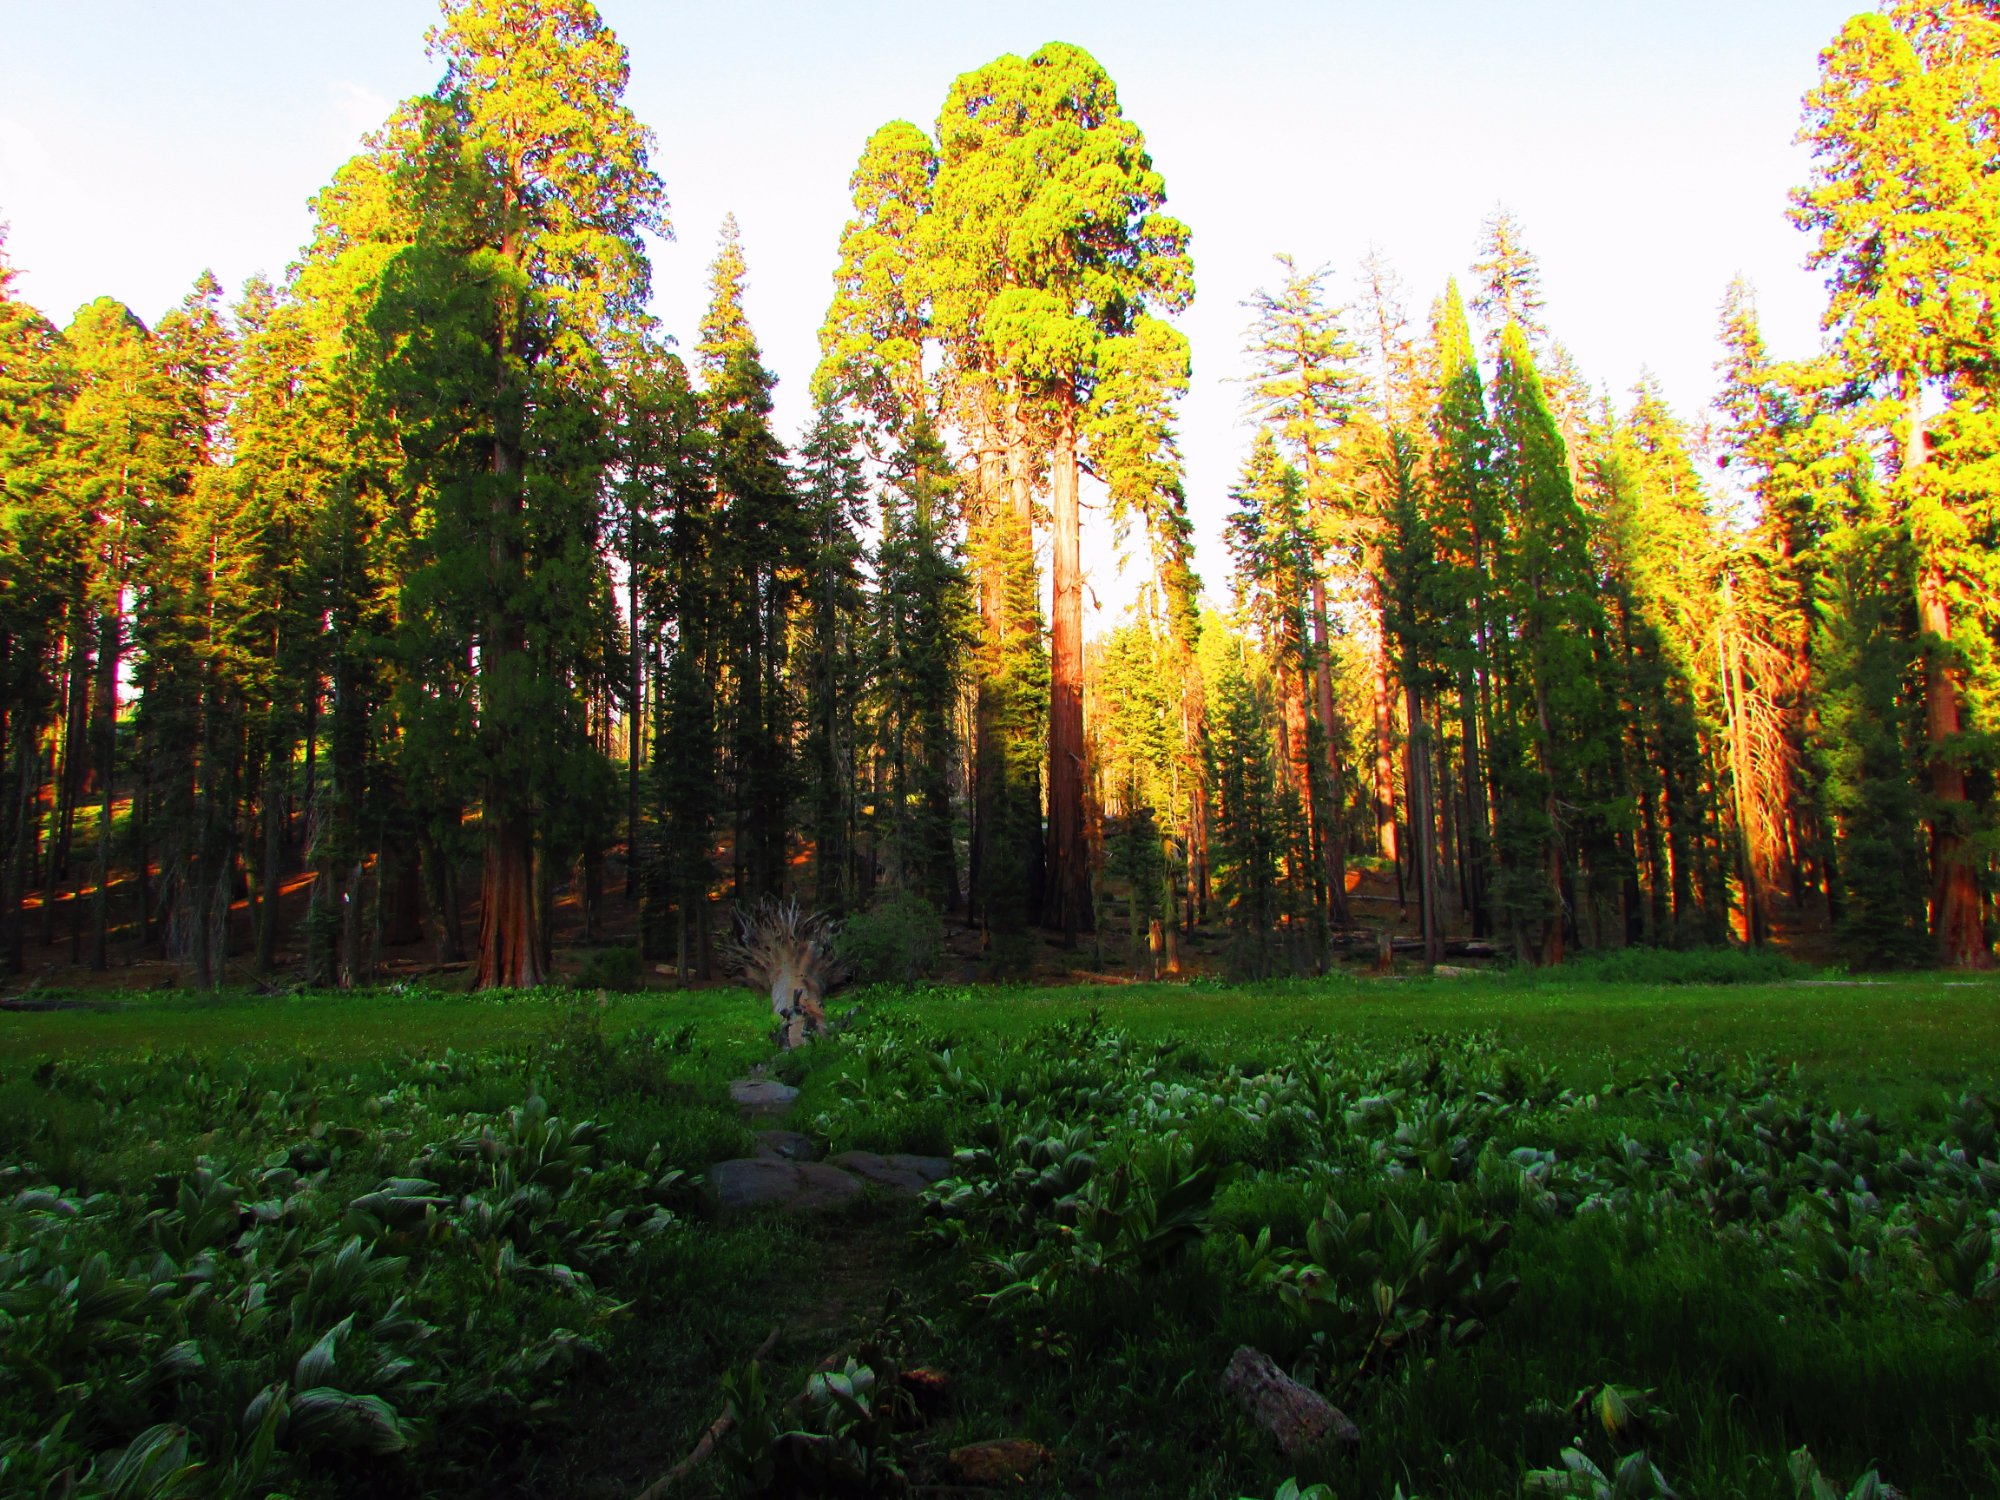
(1706, 1123)
(57, 925)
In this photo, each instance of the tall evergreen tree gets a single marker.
(761, 543)
(1058, 255)
(1304, 385)
(543, 258)
(44, 544)
(1906, 221)
(921, 632)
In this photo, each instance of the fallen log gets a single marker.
(1296, 1415)
(717, 1431)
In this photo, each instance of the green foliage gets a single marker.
(618, 969)
(1137, 1190)
(1698, 966)
(898, 941)
(846, 1433)
(298, 1290)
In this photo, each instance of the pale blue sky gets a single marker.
(1645, 146)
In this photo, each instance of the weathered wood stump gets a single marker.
(1297, 1416)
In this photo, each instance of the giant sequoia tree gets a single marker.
(1906, 216)
(534, 256)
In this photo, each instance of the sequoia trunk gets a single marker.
(1068, 908)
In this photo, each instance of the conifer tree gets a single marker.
(1466, 527)
(761, 543)
(1054, 254)
(1304, 386)
(833, 497)
(872, 342)
(43, 551)
(1555, 753)
(123, 469)
(1270, 541)
(1416, 604)
(1902, 205)
(1510, 283)
(562, 193)
(1247, 836)
(187, 630)
(921, 633)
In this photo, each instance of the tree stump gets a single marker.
(1297, 1416)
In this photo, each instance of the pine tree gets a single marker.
(1510, 283)
(1305, 387)
(1247, 834)
(1416, 605)
(44, 549)
(1270, 540)
(1556, 742)
(833, 496)
(187, 629)
(761, 543)
(1466, 534)
(872, 342)
(921, 632)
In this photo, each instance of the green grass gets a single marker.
(1881, 1041)
(1712, 1289)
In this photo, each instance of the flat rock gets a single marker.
(773, 1182)
(790, 1145)
(1454, 971)
(899, 1172)
(1002, 1461)
(762, 1096)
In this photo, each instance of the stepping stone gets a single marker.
(1005, 1461)
(773, 1182)
(762, 1096)
(898, 1172)
(788, 1144)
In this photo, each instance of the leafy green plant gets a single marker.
(900, 941)
(1813, 1485)
(618, 969)
(1634, 1477)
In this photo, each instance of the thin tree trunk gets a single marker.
(1333, 837)
(1385, 756)
(21, 857)
(1552, 848)
(1423, 837)
(636, 714)
(1731, 664)
(270, 914)
(986, 745)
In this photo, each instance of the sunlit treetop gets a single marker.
(871, 344)
(1904, 204)
(538, 88)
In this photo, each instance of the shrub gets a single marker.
(617, 969)
(1681, 966)
(899, 942)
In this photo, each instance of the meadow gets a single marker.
(1618, 1234)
